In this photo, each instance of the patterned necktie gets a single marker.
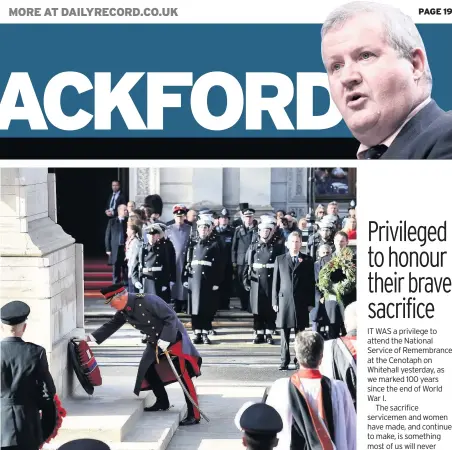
(112, 202)
(376, 151)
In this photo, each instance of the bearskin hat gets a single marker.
(155, 202)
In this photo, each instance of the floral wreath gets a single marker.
(342, 262)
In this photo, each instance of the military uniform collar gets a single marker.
(13, 339)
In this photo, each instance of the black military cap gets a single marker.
(248, 212)
(260, 418)
(14, 312)
(224, 213)
(110, 291)
(84, 444)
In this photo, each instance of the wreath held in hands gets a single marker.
(338, 276)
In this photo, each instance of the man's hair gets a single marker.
(342, 233)
(260, 441)
(309, 349)
(296, 234)
(325, 247)
(401, 32)
(350, 317)
(281, 211)
(116, 181)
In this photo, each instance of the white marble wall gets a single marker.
(38, 265)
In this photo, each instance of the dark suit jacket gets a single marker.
(27, 386)
(293, 290)
(121, 200)
(428, 135)
(114, 230)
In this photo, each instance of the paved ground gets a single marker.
(234, 371)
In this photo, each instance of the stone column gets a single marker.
(297, 191)
(255, 188)
(38, 265)
(143, 181)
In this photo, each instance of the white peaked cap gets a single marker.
(238, 416)
(204, 222)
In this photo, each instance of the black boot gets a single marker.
(189, 420)
(269, 339)
(197, 339)
(205, 339)
(159, 405)
(259, 339)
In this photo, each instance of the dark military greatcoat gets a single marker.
(258, 274)
(293, 290)
(154, 318)
(27, 387)
(155, 267)
(205, 270)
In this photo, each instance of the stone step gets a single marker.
(115, 415)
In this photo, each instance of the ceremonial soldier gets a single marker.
(155, 265)
(225, 234)
(204, 275)
(155, 319)
(241, 241)
(179, 235)
(258, 279)
(323, 237)
(293, 293)
(28, 395)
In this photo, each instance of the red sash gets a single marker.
(320, 428)
(347, 340)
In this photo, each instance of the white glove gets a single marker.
(186, 284)
(163, 344)
(138, 285)
(164, 288)
(214, 288)
(247, 288)
(171, 284)
(275, 308)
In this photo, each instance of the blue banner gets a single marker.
(44, 51)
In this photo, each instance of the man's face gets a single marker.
(332, 209)
(372, 86)
(122, 210)
(191, 215)
(294, 244)
(155, 216)
(279, 215)
(352, 213)
(119, 302)
(264, 233)
(203, 231)
(115, 186)
(130, 207)
(323, 252)
(248, 220)
(324, 233)
(154, 238)
(223, 221)
(340, 242)
(179, 219)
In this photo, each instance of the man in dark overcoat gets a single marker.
(27, 388)
(155, 265)
(241, 241)
(157, 320)
(179, 234)
(205, 267)
(225, 234)
(293, 293)
(115, 240)
(258, 279)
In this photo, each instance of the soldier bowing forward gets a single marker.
(258, 278)
(163, 330)
(204, 275)
(155, 265)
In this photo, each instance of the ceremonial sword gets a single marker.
(168, 357)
